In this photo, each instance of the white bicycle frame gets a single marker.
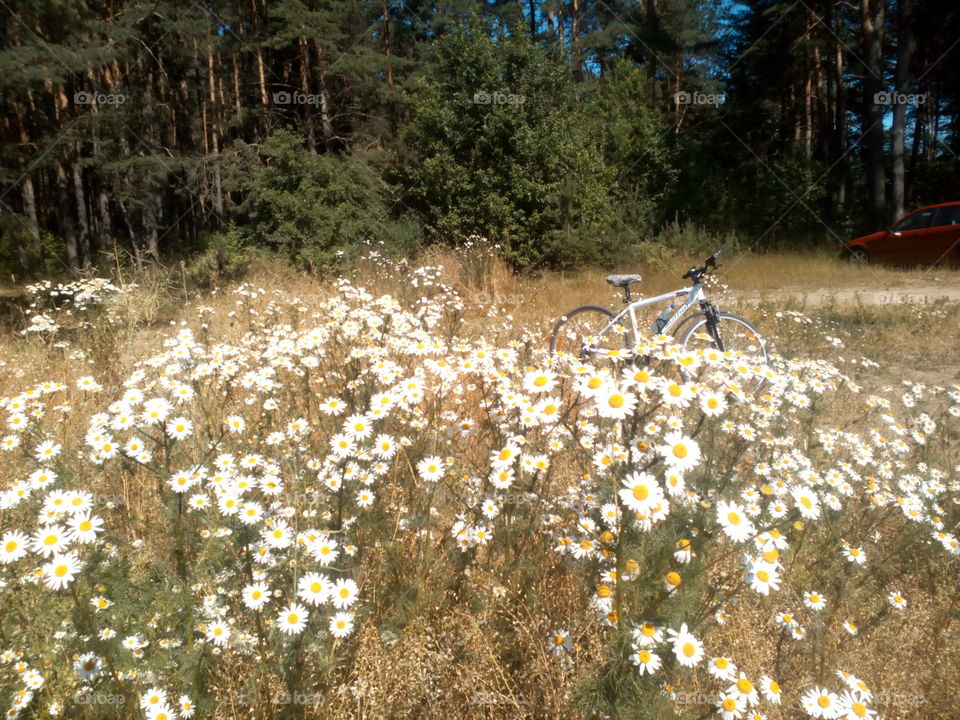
(695, 294)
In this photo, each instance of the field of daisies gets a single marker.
(376, 502)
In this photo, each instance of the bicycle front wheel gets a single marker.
(585, 332)
(737, 336)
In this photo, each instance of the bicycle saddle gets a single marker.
(622, 280)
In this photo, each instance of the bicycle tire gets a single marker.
(737, 334)
(573, 329)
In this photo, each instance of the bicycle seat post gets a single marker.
(626, 292)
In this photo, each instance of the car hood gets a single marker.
(868, 238)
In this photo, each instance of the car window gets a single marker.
(949, 215)
(919, 219)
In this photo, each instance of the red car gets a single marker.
(927, 236)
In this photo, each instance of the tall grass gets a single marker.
(519, 536)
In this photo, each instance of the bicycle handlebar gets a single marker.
(695, 274)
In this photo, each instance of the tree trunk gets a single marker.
(326, 124)
(575, 39)
(904, 52)
(83, 224)
(69, 231)
(651, 59)
(388, 46)
(214, 140)
(840, 123)
(872, 15)
(106, 226)
(30, 210)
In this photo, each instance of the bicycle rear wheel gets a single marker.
(585, 332)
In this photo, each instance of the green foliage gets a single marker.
(498, 146)
(312, 209)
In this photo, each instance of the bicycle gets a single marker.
(592, 330)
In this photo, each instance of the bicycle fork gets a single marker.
(713, 322)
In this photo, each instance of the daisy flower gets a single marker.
(680, 452)
(292, 619)
(84, 528)
(647, 635)
(814, 600)
(539, 381)
(734, 521)
(256, 596)
(314, 588)
(641, 492)
(49, 540)
(341, 624)
(897, 600)
(855, 555)
(324, 550)
(13, 546)
(560, 642)
(60, 572)
(615, 404)
(179, 428)
(763, 578)
(730, 708)
(852, 707)
(820, 703)
(770, 689)
(712, 403)
(807, 503)
(687, 649)
(723, 669)
(344, 593)
(218, 633)
(430, 469)
(743, 689)
(646, 661)
(504, 458)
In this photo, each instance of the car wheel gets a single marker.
(858, 256)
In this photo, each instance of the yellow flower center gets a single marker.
(641, 492)
(744, 686)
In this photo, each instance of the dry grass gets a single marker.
(455, 657)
